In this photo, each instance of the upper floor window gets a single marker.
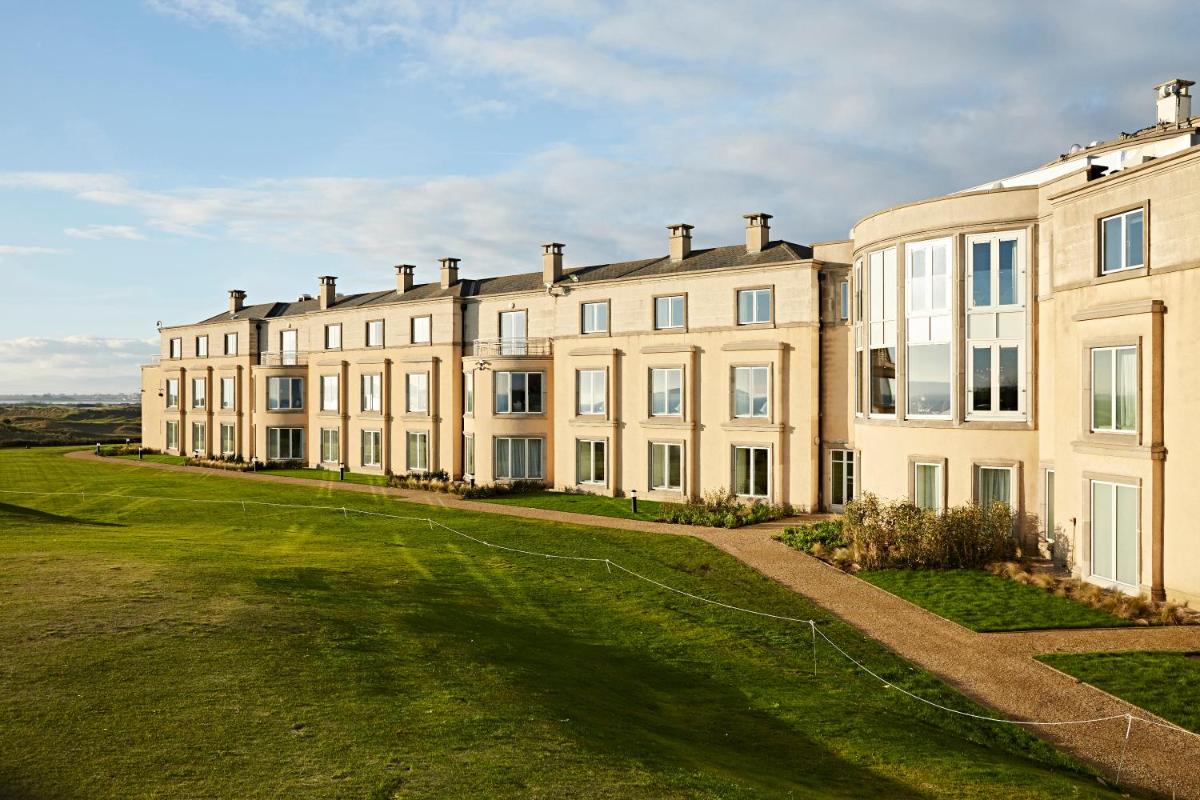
(1122, 241)
(421, 330)
(514, 333)
(591, 391)
(333, 337)
(666, 392)
(928, 328)
(996, 325)
(172, 393)
(881, 331)
(227, 392)
(176, 348)
(285, 393)
(844, 301)
(753, 306)
(518, 392)
(201, 347)
(329, 392)
(1114, 389)
(199, 398)
(375, 333)
(372, 392)
(469, 392)
(231, 344)
(751, 391)
(995, 267)
(593, 317)
(418, 393)
(289, 347)
(669, 312)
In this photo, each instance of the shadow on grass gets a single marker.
(10, 514)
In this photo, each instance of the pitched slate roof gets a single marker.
(730, 257)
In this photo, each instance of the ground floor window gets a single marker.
(666, 466)
(994, 485)
(172, 435)
(417, 449)
(199, 444)
(518, 459)
(285, 444)
(841, 477)
(469, 455)
(331, 446)
(228, 445)
(372, 448)
(927, 486)
(590, 460)
(1114, 532)
(752, 471)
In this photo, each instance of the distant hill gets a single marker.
(71, 399)
(48, 424)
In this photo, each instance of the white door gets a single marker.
(513, 333)
(1114, 532)
(287, 348)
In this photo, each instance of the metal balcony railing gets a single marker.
(510, 347)
(283, 358)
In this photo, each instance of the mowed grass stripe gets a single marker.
(195, 650)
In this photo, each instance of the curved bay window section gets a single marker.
(928, 329)
(881, 331)
(996, 326)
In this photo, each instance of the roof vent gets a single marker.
(237, 300)
(304, 297)
(758, 231)
(1174, 101)
(681, 240)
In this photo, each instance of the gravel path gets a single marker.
(994, 669)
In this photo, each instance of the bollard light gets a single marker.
(341, 472)
(139, 452)
(97, 448)
(633, 499)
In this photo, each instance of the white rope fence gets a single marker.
(609, 564)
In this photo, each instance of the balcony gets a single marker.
(509, 348)
(283, 358)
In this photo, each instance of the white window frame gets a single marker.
(420, 329)
(371, 392)
(171, 393)
(748, 374)
(847, 460)
(202, 346)
(512, 323)
(859, 326)
(289, 347)
(373, 334)
(202, 449)
(754, 319)
(503, 391)
(333, 336)
(231, 344)
(1103, 249)
(881, 323)
(228, 393)
(199, 392)
(331, 392)
(844, 301)
(590, 315)
(171, 436)
(663, 450)
(468, 455)
(1013, 499)
(591, 445)
(984, 323)
(176, 348)
(928, 325)
(939, 484)
(1112, 365)
(469, 393)
(1113, 581)
(591, 392)
(228, 428)
(676, 312)
(416, 393)
(275, 442)
(421, 438)
(527, 443)
(1050, 521)
(751, 472)
(371, 447)
(331, 444)
(279, 400)
(671, 378)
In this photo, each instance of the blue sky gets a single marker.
(155, 154)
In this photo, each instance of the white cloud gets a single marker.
(105, 232)
(29, 250)
(73, 363)
(359, 23)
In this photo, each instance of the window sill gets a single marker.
(1122, 275)
(675, 423)
(1130, 450)
(752, 425)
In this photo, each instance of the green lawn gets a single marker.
(167, 649)
(1166, 684)
(331, 475)
(581, 504)
(984, 602)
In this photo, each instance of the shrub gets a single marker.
(721, 508)
(126, 450)
(230, 463)
(440, 481)
(817, 538)
(884, 535)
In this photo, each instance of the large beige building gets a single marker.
(1025, 340)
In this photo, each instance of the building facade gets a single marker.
(1008, 342)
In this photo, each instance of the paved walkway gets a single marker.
(995, 669)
